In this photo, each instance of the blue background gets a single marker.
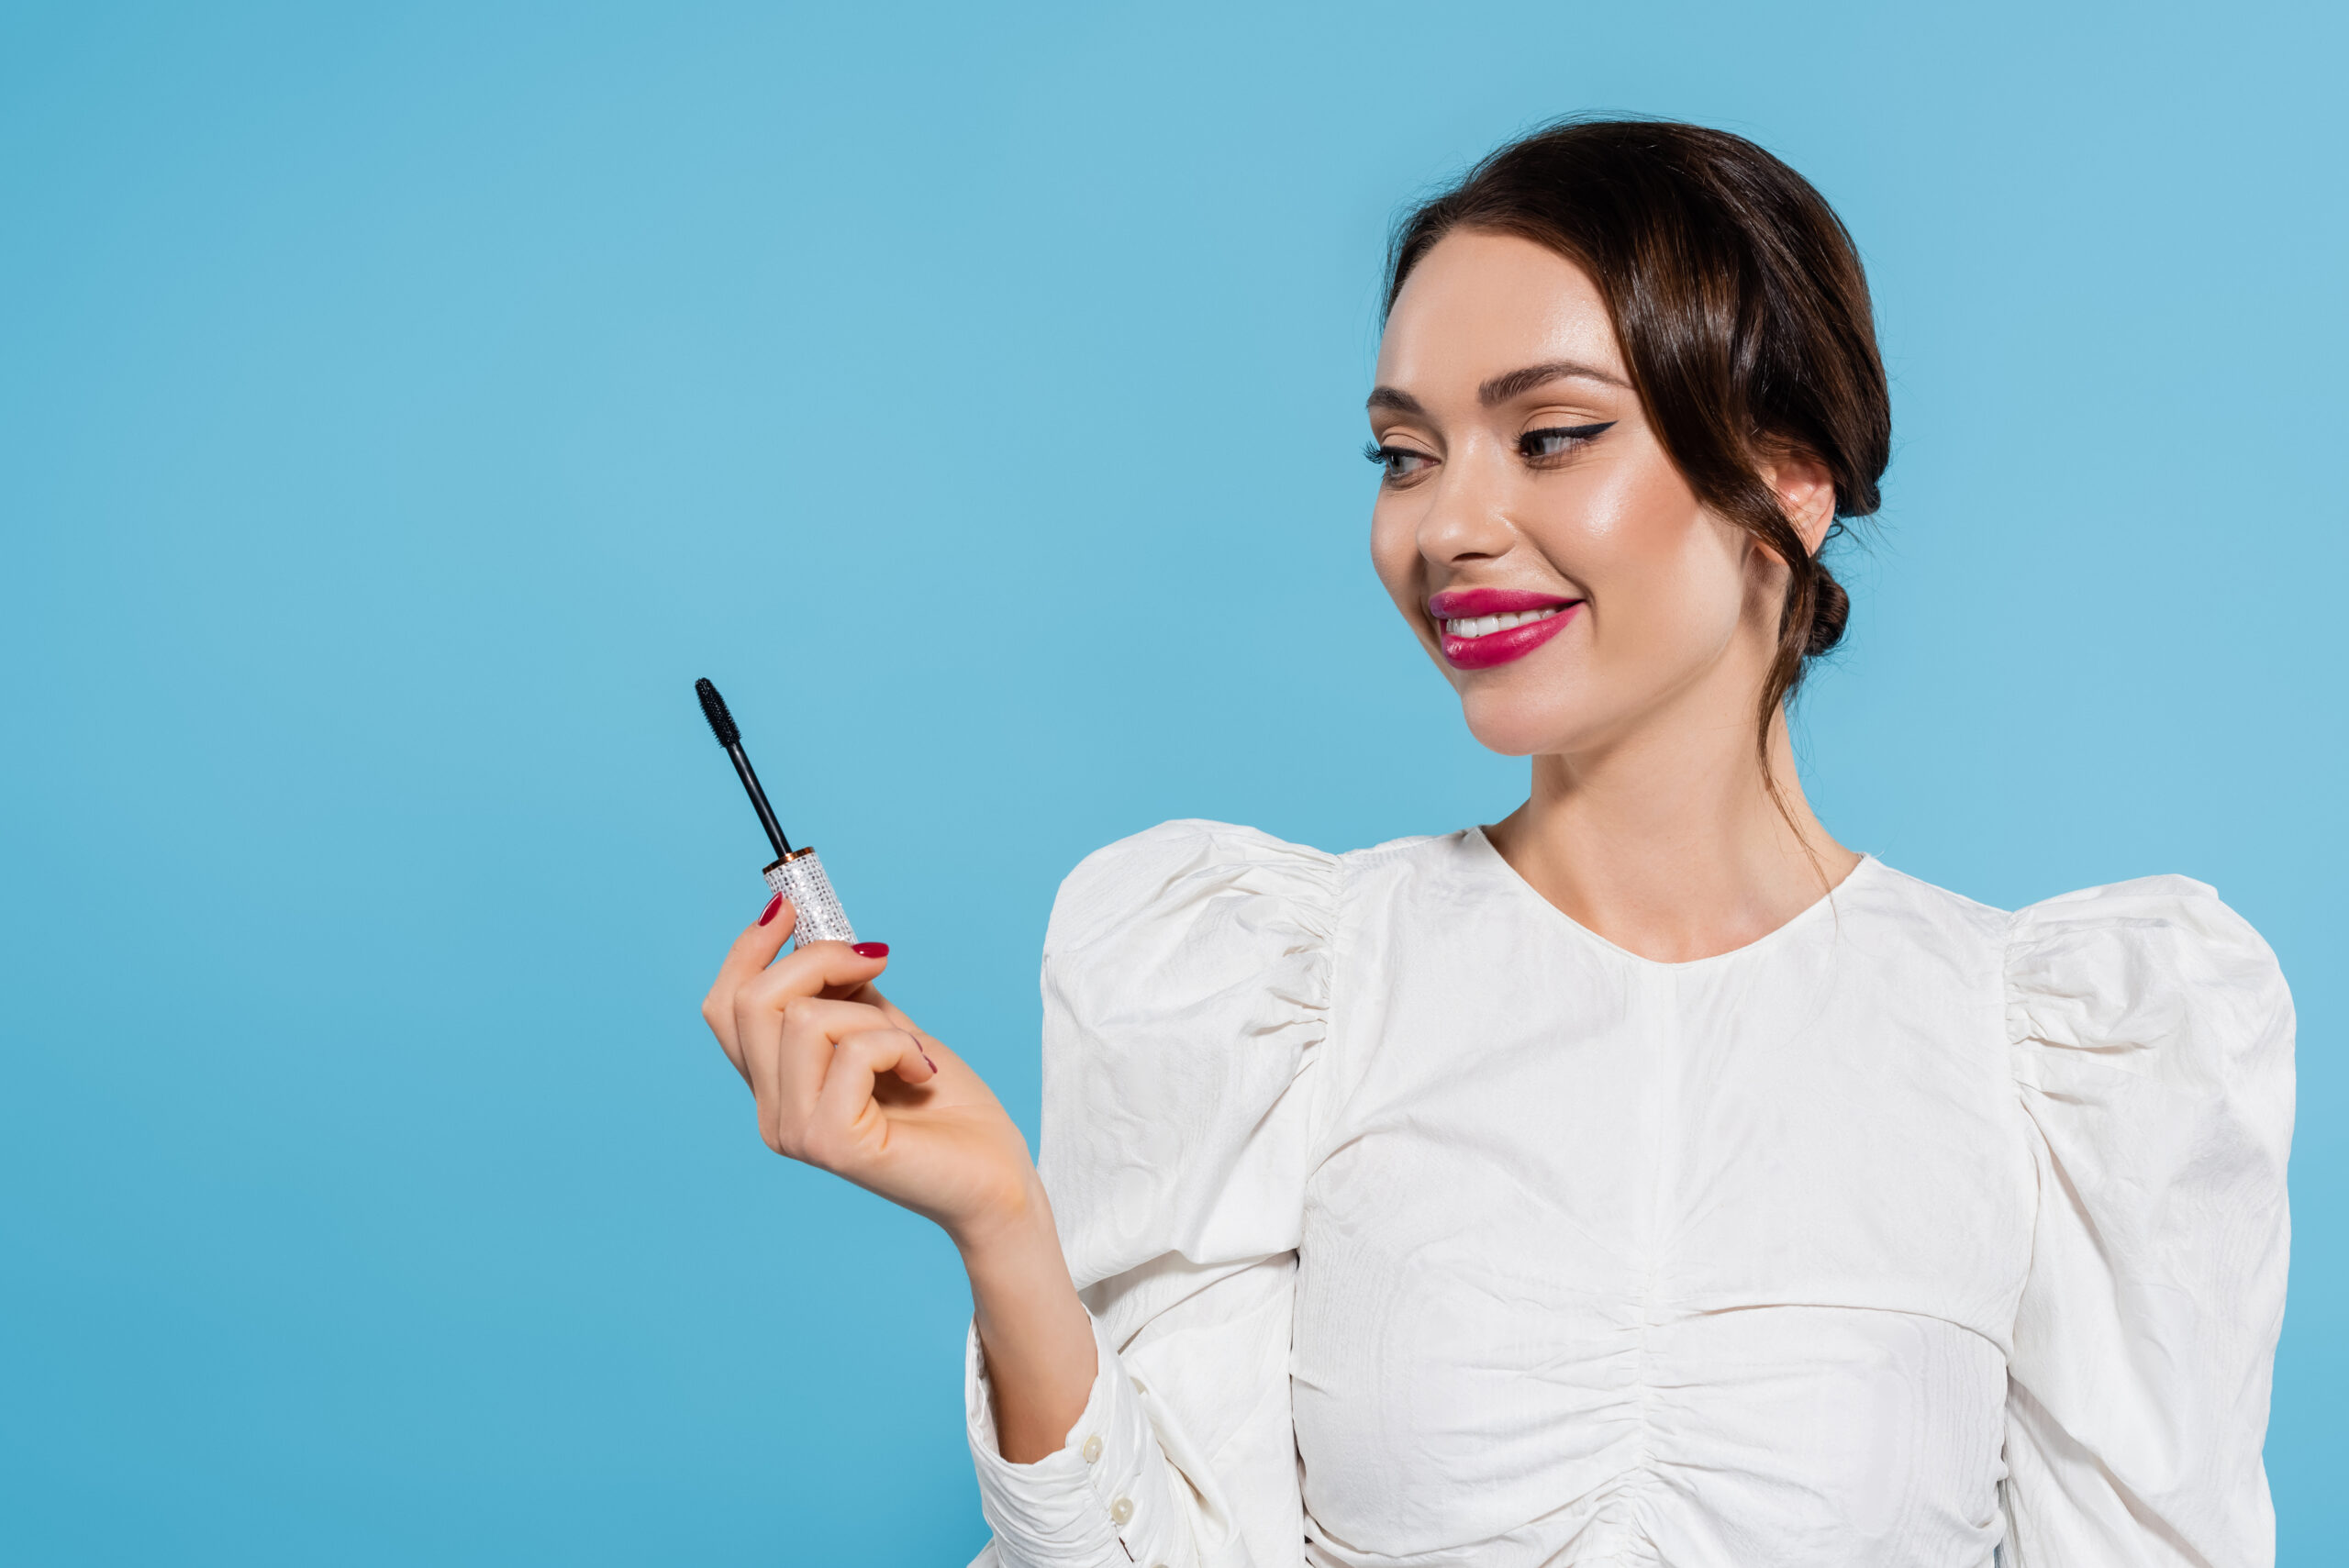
(399, 406)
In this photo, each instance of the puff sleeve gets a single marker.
(2151, 1046)
(1187, 997)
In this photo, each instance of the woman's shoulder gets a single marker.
(1182, 871)
(2115, 917)
(1191, 871)
(1190, 918)
(2108, 968)
(2145, 903)
(2156, 975)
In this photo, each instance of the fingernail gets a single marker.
(774, 905)
(924, 1056)
(871, 949)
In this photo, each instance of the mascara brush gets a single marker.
(797, 875)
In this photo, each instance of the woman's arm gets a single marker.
(1187, 976)
(845, 1082)
(2153, 1052)
(1035, 1333)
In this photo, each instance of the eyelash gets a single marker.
(1574, 435)
(1388, 457)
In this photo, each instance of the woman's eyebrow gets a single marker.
(1501, 388)
(1518, 382)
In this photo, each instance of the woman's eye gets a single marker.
(1559, 439)
(1400, 463)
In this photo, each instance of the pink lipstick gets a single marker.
(1480, 627)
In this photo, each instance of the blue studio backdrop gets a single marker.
(400, 407)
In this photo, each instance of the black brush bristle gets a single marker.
(730, 735)
(713, 709)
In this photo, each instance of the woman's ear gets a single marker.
(1806, 494)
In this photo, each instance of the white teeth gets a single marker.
(1485, 625)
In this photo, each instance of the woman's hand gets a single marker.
(846, 1082)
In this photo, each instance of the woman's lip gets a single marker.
(1466, 604)
(1500, 646)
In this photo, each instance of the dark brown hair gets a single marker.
(1742, 313)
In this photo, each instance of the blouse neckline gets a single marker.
(1810, 913)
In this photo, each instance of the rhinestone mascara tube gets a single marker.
(797, 874)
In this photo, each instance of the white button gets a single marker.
(1121, 1510)
(1092, 1450)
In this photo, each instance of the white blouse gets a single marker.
(1420, 1225)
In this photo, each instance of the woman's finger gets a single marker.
(815, 970)
(820, 968)
(845, 1126)
(936, 1053)
(789, 1049)
(752, 952)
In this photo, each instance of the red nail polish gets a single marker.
(924, 1056)
(773, 906)
(871, 949)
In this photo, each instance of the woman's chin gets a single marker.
(1517, 728)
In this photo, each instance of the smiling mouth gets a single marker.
(1486, 627)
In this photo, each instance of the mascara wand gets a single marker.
(797, 875)
(730, 735)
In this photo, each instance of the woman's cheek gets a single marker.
(1394, 556)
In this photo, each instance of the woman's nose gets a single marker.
(1465, 520)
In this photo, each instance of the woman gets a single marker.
(1646, 1178)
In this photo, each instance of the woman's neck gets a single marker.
(1668, 844)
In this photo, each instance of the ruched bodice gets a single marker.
(1421, 1226)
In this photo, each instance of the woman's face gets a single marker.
(1529, 525)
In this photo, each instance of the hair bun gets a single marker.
(1830, 608)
